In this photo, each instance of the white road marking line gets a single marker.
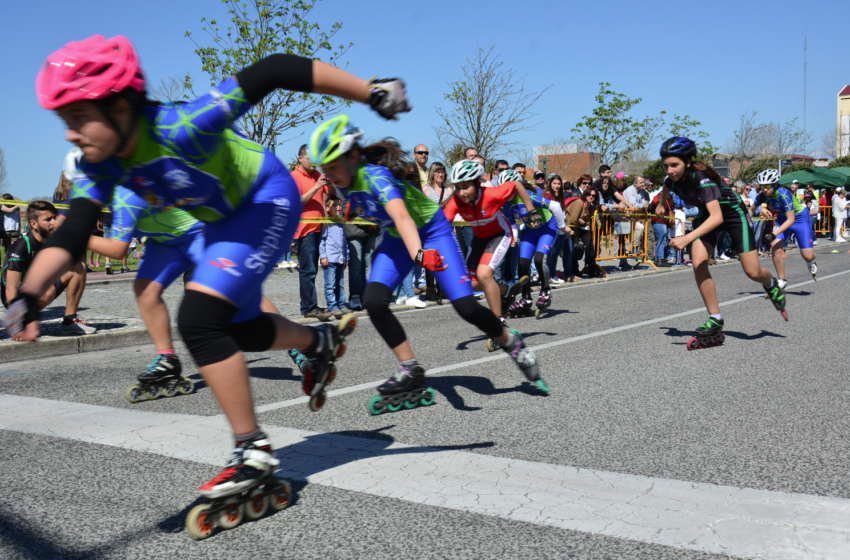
(704, 517)
(501, 355)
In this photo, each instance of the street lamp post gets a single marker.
(545, 166)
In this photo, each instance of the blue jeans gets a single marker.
(360, 251)
(509, 271)
(552, 260)
(759, 228)
(307, 248)
(405, 289)
(671, 252)
(660, 240)
(287, 256)
(334, 290)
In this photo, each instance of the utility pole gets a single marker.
(805, 68)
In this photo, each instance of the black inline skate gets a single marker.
(161, 379)
(246, 487)
(777, 297)
(512, 292)
(708, 334)
(493, 344)
(520, 308)
(543, 302)
(524, 357)
(319, 369)
(406, 388)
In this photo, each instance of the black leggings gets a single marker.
(585, 237)
(376, 300)
(525, 270)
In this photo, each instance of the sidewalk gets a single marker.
(110, 305)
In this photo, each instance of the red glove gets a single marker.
(430, 259)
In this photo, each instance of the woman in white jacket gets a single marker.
(839, 212)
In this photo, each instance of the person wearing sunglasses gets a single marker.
(420, 156)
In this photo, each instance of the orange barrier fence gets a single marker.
(621, 234)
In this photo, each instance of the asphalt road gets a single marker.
(641, 450)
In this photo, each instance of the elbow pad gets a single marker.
(277, 71)
(73, 235)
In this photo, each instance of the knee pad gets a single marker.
(254, 335)
(204, 323)
(476, 314)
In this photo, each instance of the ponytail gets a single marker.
(388, 153)
(708, 170)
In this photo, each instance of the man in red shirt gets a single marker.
(314, 190)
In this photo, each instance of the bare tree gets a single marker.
(829, 143)
(3, 177)
(486, 107)
(745, 143)
(784, 138)
(172, 88)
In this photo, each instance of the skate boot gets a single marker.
(513, 291)
(247, 486)
(319, 369)
(781, 282)
(777, 297)
(161, 379)
(520, 308)
(298, 358)
(543, 302)
(406, 388)
(527, 361)
(492, 343)
(813, 268)
(707, 335)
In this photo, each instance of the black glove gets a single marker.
(769, 238)
(534, 219)
(23, 310)
(387, 97)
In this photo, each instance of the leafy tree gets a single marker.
(843, 161)
(688, 127)
(611, 131)
(486, 107)
(655, 171)
(260, 28)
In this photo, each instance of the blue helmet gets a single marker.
(678, 146)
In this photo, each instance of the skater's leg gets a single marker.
(539, 260)
(754, 270)
(154, 312)
(492, 290)
(705, 283)
(75, 280)
(808, 255)
(376, 301)
(776, 253)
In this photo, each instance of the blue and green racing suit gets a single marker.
(175, 241)
(191, 157)
(784, 201)
(535, 240)
(371, 190)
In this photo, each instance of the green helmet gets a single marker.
(332, 139)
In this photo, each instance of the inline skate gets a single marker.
(406, 388)
(520, 308)
(493, 344)
(708, 335)
(298, 358)
(319, 369)
(543, 302)
(247, 487)
(524, 357)
(777, 297)
(512, 292)
(813, 268)
(161, 379)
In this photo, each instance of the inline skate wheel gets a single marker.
(427, 399)
(340, 352)
(152, 393)
(537, 313)
(186, 386)
(542, 385)
(170, 390)
(231, 516)
(411, 403)
(134, 394)
(331, 376)
(374, 409)
(317, 401)
(693, 344)
(280, 498)
(493, 344)
(199, 524)
(785, 315)
(347, 324)
(394, 407)
(257, 505)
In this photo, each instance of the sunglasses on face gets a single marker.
(591, 196)
(585, 183)
(422, 153)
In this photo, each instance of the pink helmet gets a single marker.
(88, 70)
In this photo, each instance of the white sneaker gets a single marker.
(401, 300)
(723, 257)
(78, 326)
(293, 264)
(283, 265)
(108, 267)
(556, 281)
(417, 303)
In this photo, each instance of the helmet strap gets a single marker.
(123, 135)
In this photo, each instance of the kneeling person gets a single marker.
(42, 217)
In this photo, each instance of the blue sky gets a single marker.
(712, 61)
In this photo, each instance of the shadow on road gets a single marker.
(447, 386)
(482, 339)
(674, 332)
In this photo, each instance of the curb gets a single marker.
(62, 346)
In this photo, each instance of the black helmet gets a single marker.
(678, 146)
